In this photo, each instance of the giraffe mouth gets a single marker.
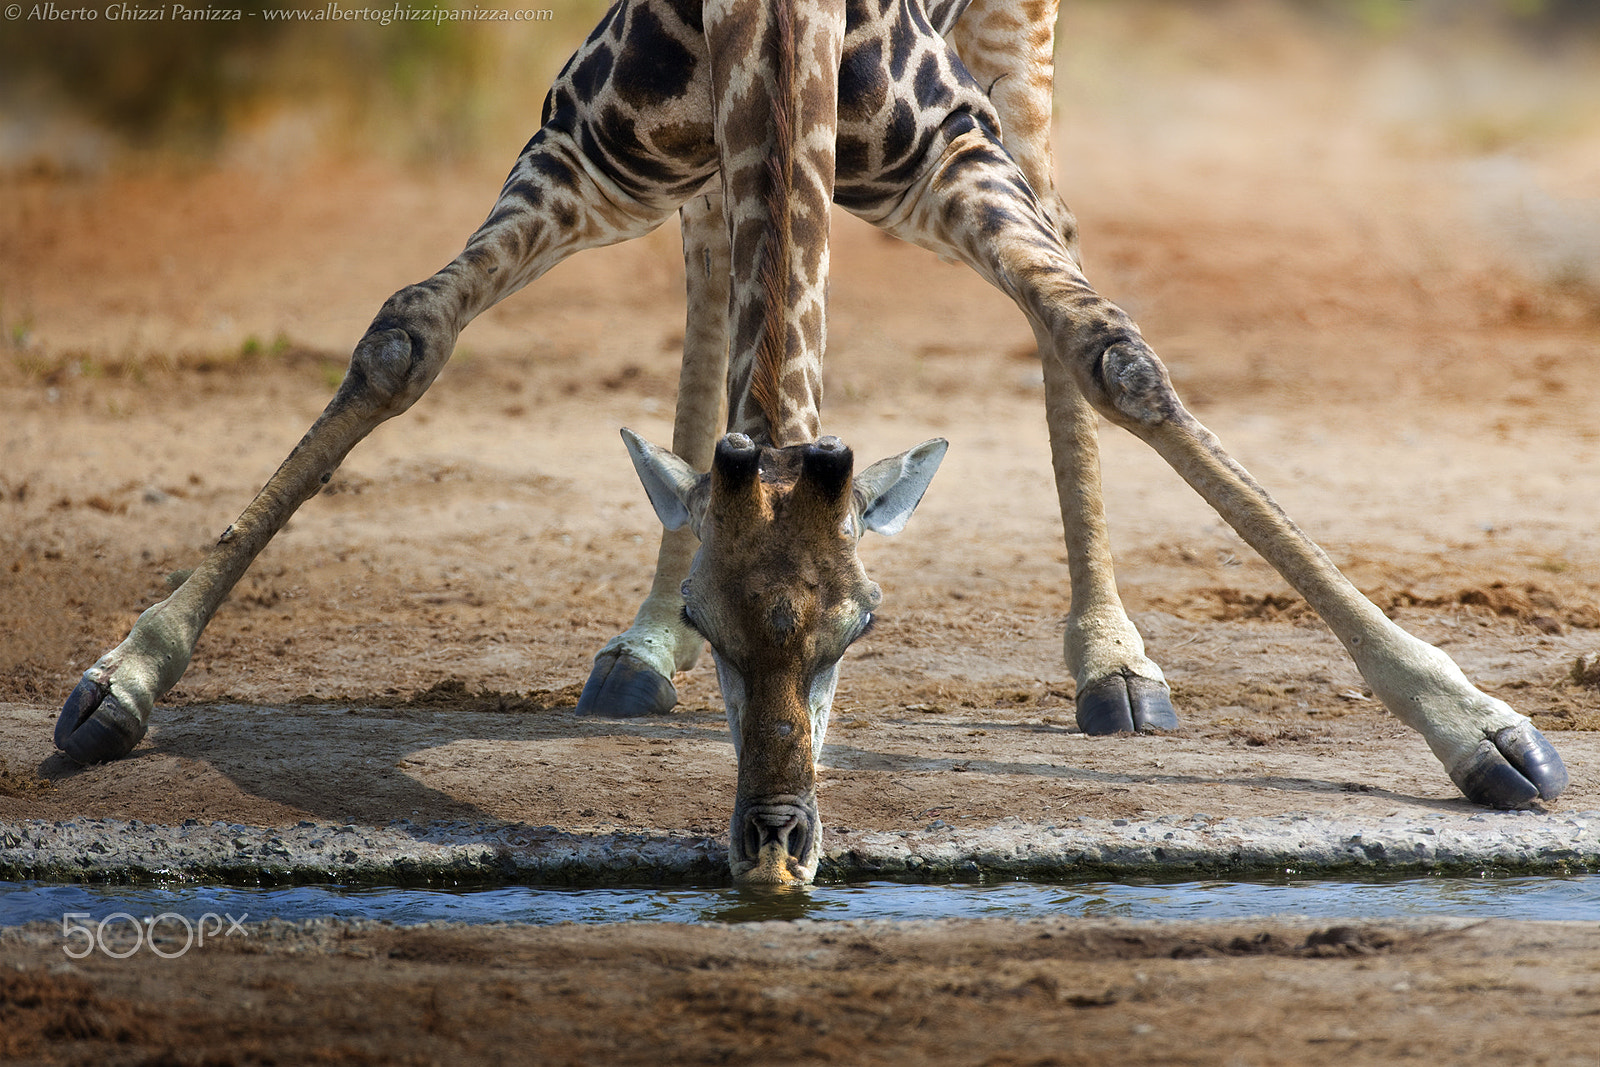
(775, 841)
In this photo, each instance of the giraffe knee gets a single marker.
(380, 366)
(386, 373)
(399, 356)
(1131, 386)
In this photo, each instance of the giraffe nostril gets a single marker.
(787, 829)
(773, 828)
(789, 836)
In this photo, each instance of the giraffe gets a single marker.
(886, 120)
(1008, 46)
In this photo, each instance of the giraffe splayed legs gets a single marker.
(876, 111)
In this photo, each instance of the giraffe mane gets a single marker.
(772, 352)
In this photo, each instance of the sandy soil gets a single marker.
(1340, 294)
(989, 992)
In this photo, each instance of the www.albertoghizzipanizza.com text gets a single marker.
(331, 12)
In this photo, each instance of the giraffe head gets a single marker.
(779, 593)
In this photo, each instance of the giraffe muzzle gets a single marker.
(775, 841)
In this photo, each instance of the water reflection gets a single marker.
(746, 904)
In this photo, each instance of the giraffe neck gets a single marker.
(775, 67)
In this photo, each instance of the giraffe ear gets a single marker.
(668, 480)
(890, 490)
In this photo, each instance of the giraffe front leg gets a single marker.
(632, 674)
(1495, 755)
(968, 204)
(554, 204)
(108, 712)
(1009, 47)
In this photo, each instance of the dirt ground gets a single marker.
(991, 992)
(1358, 289)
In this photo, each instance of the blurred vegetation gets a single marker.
(428, 92)
(1532, 20)
(140, 78)
(1544, 21)
(173, 85)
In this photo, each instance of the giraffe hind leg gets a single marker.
(972, 203)
(1008, 46)
(1119, 689)
(632, 674)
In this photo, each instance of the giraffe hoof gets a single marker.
(1124, 703)
(622, 686)
(1511, 768)
(94, 727)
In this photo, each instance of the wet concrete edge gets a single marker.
(452, 854)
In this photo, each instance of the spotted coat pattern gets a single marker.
(630, 133)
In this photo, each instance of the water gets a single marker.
(1544, 897)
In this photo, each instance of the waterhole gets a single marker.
(1542, 897)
